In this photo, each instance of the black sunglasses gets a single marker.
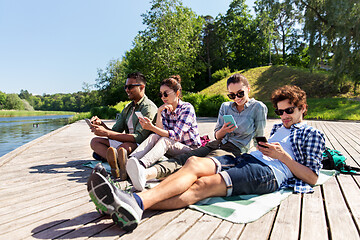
(165, 94)
(238, 94)
(131, 86)
(289, 110)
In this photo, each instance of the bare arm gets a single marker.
(103, 132)
(300, 171)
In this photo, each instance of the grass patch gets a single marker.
(79, 116)
(22, 113)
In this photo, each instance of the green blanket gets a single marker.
(248, 208)
(242, 208)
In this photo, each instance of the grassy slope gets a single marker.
(322, 100)
(264, 80)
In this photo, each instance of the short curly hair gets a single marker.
(294, 94)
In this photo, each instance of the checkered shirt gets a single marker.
(181, 124)
(308, 144)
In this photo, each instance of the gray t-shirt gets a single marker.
(251, 122)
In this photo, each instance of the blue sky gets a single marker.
(55, 46)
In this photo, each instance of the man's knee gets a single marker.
(96, 141)
(201, 166)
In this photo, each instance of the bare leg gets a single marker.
(204, 187)
(100, 145)
(180, 181)
(129, 146)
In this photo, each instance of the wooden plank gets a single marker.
(235, 231)
(114, 232)
(287, 221)
(351, 192)
(222, 231)
(47, 220)
(178, 226)
(154, 224)
(261, 228)
(313, 219)
(203, 228)
(18, 209)
(341, 223)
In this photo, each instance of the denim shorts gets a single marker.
(245, 175)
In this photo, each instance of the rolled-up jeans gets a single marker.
(155, 146)
(245, 175)
(213, 148)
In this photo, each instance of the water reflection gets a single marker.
(16, 131)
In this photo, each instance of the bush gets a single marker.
(104, 112)
(220, 74)
(195, 99)
(204, 105)
(210, 106)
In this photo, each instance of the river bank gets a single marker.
(21, 113)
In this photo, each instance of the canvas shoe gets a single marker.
(112, 156)
(121, 160)
(136, 173)
(120, 205)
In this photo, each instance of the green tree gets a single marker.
(13, 102)
(169, 45)
(111, 81)
(332, 28)
(2, 99)
(244, 42)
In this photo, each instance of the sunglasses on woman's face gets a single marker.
(131, 86)
(289, 110)
(239, 94)
(165, 94)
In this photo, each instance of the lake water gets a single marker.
(16, 131)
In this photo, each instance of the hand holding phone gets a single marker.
(230, 118)
(88, 122)
(139, 114)
(261, 139)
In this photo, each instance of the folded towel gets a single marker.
(248, 208)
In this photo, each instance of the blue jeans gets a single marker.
(245, 175)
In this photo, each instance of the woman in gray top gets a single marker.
(250, 118)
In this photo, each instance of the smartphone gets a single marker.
(230, 118)
(139, 114)
(261, 139)
(88, 122)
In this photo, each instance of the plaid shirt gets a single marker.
(308, 144)
(181, 124)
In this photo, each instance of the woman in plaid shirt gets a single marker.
(175, 132)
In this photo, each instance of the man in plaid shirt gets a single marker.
(291, 157)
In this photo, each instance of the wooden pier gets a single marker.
(43, 196)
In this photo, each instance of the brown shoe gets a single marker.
(121, 160)
(111, 157)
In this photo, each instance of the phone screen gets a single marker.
(230, 118)
(139, 114)
(261, 139)
(88, 122)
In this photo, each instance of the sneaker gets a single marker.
(100, 169)
(136, 173)
(120, 205)
(121, 160)
(112, 156)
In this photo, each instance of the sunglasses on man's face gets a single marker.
(239, 94)
(165, 94)
(289, 110)
(131, 86)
